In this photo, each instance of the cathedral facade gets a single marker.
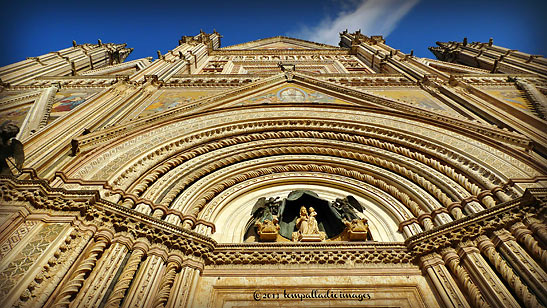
(277, 172)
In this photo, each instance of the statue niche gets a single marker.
(304, 217)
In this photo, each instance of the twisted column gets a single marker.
(446, 287)
(492, 288)
(76, 280)
(486, 246)
(524, 236)
(118, 292)
(453, 261)
(539, 228)
(522, 263)
(174, 263)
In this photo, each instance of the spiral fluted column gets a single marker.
(537, 227)
(453, 261)
(174, 263)
(524, 236)
(446, 287)
(76, 280)
(127, 275)
(486, 246)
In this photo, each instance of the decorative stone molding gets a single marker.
(472, 226)
(487, 248)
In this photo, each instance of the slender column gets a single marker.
(492, 288)
(453, 261)
(445, 285)
(524, 236)
(186, 283)
(118, 292)
(486, 199)
(148, 276)
(76, 280)
(522, 263)
(487, 248)
(98, 281)
(174, 263)
(539, 228)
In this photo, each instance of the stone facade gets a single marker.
(156, 183)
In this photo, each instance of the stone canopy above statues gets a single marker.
(304, 217)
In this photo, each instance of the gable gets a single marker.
(279, 42)
(290, 93)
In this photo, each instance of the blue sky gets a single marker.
(32, 28)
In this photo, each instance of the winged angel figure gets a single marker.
(10, 148)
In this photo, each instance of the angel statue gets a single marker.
(10, 147)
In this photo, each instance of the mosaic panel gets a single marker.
(27, 257)
(171, 99)
(66, 100)
(291, 94)
(17, 114)
(16, 237)
(513, 97)
(416, 98)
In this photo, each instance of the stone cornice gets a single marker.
(340, 253)
(472, 226)
(234, 52)
(88, 205)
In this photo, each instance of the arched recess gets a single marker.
(230, 210)
(443, 165)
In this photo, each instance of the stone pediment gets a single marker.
(279, 42)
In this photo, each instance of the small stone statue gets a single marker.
(357, 229)
(267, 230)
(265, 219)
(308, 229)
(10, 147)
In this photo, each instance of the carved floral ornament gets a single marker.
(102, 215)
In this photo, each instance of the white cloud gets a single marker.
(373, 17)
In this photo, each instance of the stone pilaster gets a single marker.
(36, 113)
(147, 279)
(186, 283)
(49, 278)
(537, 227)
(488, 249)
(95, 288)
(445, 285)
(491, 286)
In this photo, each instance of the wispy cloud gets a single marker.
(373, 17)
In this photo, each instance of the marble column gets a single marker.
(486, 246)
(118, 292)
(491, 286)
(446, 287)
(529, 271)
(524, 237)
(186, 283)
(174, 263)
(452, 260)
(148, 276)
(537, 227)
(74, 283)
